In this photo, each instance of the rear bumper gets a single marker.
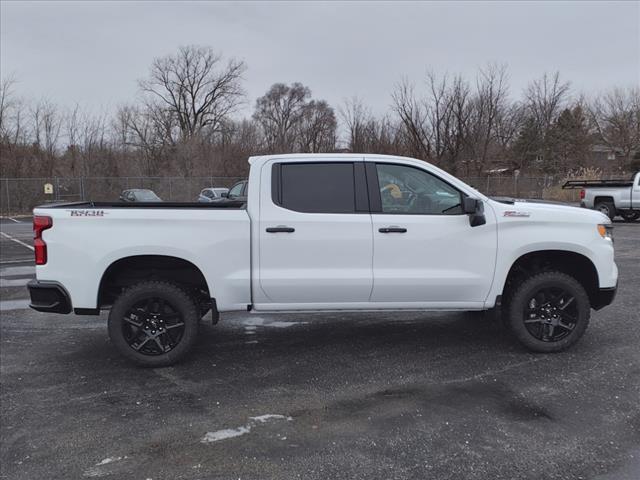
(49, 297)
(604, 297)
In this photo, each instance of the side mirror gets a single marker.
(475, 209)
(471, 205)
(224, 194)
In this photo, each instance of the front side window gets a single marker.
(410, 190)
(317, 187)
(208, 193)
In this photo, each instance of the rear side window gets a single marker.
(315, 187)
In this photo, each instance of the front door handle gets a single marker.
(280, 229)
(392, 230)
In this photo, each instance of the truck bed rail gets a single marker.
(573, 184)
(230, 204)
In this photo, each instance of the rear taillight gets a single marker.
(582, 194)
(40, 224)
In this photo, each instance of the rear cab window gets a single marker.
(320, 187)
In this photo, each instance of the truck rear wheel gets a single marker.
(549, 312)
(154, 323)
(630, 216)
(608, 208)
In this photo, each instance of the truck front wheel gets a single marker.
(549, 312)
(154, 323)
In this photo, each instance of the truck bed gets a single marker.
(86, 238)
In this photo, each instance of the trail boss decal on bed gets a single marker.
(515, 213)
(87, 213)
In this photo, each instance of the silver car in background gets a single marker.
(210, 193)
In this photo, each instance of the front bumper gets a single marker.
(49, 297)
(604, 297)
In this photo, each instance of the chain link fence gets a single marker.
(20, 195)
(546, 187)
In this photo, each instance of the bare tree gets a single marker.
(316, 130)
(616, 116)
(7, 101)
(434, 125)
(413, 116)
(368, 134)
(46, 125)
(279, 112)
(487, 107)
(145, 131)
(545, 98)
(356, 118)
(237, 142)
(12, 129)
(196, 87)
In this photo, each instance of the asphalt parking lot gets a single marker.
(384, 396)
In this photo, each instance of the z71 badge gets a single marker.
(515, 213)
(87, 213)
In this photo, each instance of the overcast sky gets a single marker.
(92, 53)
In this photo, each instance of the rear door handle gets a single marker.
(392, 230)
(280, 229)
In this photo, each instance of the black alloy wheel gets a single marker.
(153, 326)
(551, 314)
(548, 312)
(154, 323)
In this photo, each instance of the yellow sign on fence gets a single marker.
(48, 188)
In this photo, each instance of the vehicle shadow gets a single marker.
(318, 335)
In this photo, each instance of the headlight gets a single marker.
(606, 231)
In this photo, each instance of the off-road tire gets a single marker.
(520, 300)
(185, 308)
(630, 216)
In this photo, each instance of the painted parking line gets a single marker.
(16, 240)
(14, 282)
(10, 262)
(19, 304)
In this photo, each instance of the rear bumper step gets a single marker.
(49, 297)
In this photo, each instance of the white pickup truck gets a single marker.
(324, 232)
(611, 197)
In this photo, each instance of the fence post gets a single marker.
(8, 198)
